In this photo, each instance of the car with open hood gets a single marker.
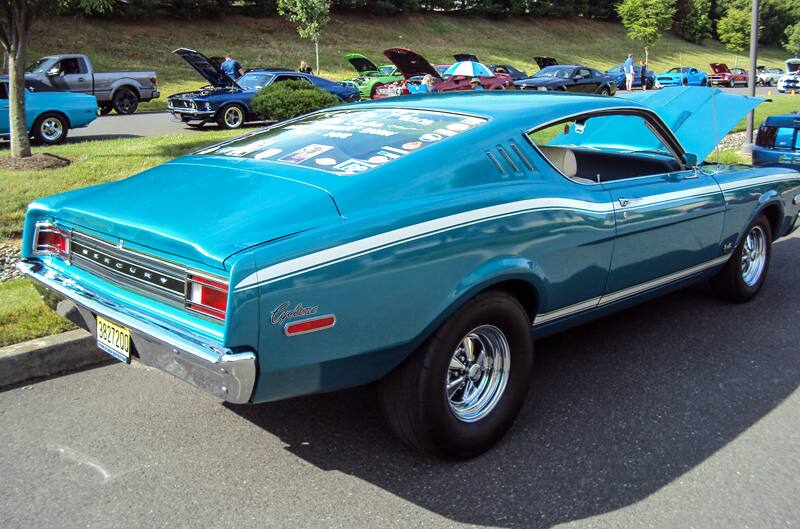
(414, 67)
(421, 243)
(682, 76)
(618, 73)
(570, 78)
(371, 76)
(790, 81)
(49, 115)
(727, 76)
(227, 102)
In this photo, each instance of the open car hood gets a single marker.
(361, 63)
(544, 62)
(792, 65)
(410, 64)
(719, 67)
(700, 117)
(207, 68)
(461, 57)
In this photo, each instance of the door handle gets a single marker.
(81, 79)
(625, 202)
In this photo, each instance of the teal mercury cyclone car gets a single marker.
(423, 243)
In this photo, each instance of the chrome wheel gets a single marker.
(754, 256)
(478, 373)
(233, 117)
(52, 129)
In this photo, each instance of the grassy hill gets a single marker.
(117, 44)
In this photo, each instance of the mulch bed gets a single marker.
(37, 162)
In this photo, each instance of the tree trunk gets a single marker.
(20, 139)
(316, 52)
(646, 58)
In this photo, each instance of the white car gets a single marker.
(791, 80)
(769, 76)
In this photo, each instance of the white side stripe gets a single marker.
(728, 186)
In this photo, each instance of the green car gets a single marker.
(371, 77)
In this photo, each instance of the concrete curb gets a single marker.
(49, 356)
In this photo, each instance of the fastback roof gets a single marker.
(513, 108)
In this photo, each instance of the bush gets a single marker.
(288, 99)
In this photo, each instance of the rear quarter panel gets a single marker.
(80, 109)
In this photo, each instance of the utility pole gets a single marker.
(751, 79)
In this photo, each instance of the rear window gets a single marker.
(348, 142)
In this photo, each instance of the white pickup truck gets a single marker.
(118, 90)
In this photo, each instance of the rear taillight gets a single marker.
(207, 296)
(50, 240)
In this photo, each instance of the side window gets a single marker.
(285, 77)
(784, 139)
(603, 148)
(3, 90)
(583, 73)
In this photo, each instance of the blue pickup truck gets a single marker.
(778, 142)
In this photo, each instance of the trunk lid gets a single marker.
(409, 63)
(361, 63)
(207, 68)
(204, 210)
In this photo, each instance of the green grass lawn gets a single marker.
(23, 315)
(117, 44)
(780, 104)
(93, 162)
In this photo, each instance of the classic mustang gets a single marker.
(570, 78)
(227, 102)
(727, 76)
(49, 115)
(420, 242)
(371, 76)
(683, 76)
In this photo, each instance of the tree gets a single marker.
(310, 16)
(792, 43)
(734, 30)
(646, 20)
(16, 18)
(692, 20)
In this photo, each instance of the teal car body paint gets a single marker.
(321, 253)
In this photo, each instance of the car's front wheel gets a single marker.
(231, 117)
(459, 393)
(745, 272)
(605, 91)
(50, 129)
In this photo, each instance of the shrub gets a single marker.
(288, 99)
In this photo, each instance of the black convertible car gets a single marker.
(570, 78)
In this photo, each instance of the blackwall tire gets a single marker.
(744, 274)
(447, 399)
(126, 101)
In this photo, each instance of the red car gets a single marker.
(414, 67)
(727, 76)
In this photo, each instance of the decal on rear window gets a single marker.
(348, 142)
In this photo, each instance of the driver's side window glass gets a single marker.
(604, 148)
(3, 91)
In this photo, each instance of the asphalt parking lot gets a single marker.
(682, 412)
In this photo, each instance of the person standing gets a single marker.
(643, 74)
(231, 67)
(627, 67)
(305, 68)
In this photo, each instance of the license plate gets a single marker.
(114, 339)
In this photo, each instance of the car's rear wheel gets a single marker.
(745, 272)
(231, 117)
(50, 128)
(126, 101)
(459, 393)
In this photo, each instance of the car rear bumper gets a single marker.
(208, 366)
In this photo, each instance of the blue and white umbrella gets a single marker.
(469, 69)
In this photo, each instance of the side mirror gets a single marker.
(52, 72)
(690, 159)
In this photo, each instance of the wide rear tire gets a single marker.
(126, 101)
(745, 272)
(50, 128)
(459, 393)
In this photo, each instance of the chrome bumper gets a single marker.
(210, 367)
